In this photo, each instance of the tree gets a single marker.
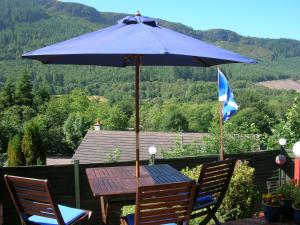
(10, 124)
(7, 95)
(23, 93)
(116, 120)
(32, 145)
(199, 116)
(41, 96)
(288, 128)
(175, 121)
(236, 138)
(75, 128)
(52, 120)
(14, 152)
(252, 116)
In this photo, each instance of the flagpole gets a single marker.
(221, 154)
(221, 157)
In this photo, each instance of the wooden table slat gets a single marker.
(111, 181)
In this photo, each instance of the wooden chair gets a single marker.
(212, 185)
(35, 204)
(162, 204)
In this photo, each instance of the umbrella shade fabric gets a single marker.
(136, 35)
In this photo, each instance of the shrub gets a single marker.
(113, 156)
(14, 152)
(32, 145)
(286, 191)
(241, 195)
(3, 159)
(181, 150)
(297, 197)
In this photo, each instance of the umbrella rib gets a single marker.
(153, 38)
(202, 61)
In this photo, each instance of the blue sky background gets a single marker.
(257, 18)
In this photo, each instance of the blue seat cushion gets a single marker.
(69, 215)
(204, 200)
(130, 220)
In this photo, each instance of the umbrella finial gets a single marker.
(138, 13)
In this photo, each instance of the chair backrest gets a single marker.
(32, 197)
(164, 203)
(214, 179)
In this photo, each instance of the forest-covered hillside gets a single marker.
(30, 24)
(42, 110)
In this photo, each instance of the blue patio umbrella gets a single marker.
(134, 41)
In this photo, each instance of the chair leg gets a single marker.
(216, 220)
(209, 216)
(205, 220)
(123, 221)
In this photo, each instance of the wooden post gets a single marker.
(77, 183)
(221, 154)
(221, 157)
(137, 115)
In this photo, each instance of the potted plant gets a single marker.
(286, 194)
(272, 207)
(296, 205)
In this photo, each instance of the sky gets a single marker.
(255, 18)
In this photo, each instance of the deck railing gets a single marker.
(69, 182)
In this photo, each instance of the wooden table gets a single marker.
(116, 185)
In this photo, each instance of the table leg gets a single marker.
(110, 211)
(103, 209)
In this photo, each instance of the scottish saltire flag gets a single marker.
(226, 95)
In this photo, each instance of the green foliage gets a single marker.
(192, 173)
(32, 145)
(199, 116)
(3, 159)
(241, 194)
(75, 127)
(293, 116)
(14, 152)
(116, 120)
(297, 197)
(113, 156)
(252, 117)
(181, 150)
(236, 139)
(29, 24)
(286, 191)
(23, 95)
(128, 209)
(10, 124)
(172, 98)
(175, 121)
(7, 95)
(288, 128)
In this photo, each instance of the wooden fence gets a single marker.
(62, 181)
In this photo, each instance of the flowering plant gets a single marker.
(286, 191)
(272, 199)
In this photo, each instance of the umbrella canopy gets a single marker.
(136, 40)
(136, 35)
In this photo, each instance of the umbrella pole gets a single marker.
(137, 115)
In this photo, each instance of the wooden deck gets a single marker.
(256, 221)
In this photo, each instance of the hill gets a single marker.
(30, 24)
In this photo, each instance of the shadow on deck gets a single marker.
(255, 221)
